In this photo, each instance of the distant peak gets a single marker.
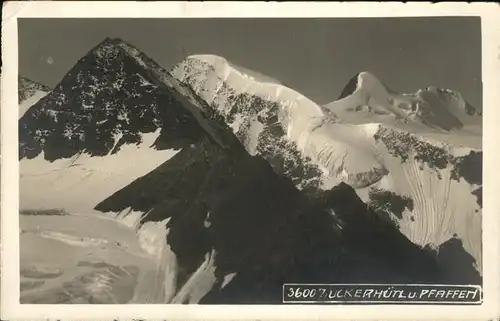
(109, 43)
(369, 80)
(351, 87)
(367, 76)
(110, 47)
(357, 81)
(209, 58)
(363, 79)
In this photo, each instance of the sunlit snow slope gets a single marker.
(79, 183)
(415, 158)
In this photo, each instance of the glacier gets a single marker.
(355, 140)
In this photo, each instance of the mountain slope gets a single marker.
(413, 172)
(430, 142)
(120, 136)
(105, 124)
(227, 219)
(29, 93)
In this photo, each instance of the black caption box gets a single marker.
(379, 293)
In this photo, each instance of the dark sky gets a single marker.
(316, 57)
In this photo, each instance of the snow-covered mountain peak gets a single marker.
(223, 78)
(297, 136)
(366, 97)
(220, 62)
(110, 98)
(232, 90)
(368, 81)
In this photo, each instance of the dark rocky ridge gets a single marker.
(261, 226)
(469, 167)
(389, 202)
(404, 146)
(106, 93)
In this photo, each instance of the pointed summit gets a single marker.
(107, 41)
(364, 79)
(351, 86)
(113, 40)
(110, 98)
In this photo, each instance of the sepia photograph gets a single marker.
(249, 160)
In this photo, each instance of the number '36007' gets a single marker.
(299, 293)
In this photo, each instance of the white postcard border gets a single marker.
(12, 310)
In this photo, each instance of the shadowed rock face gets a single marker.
(351, 86)
(264, 229)
(451, 254)
(469, 167)
(268, 232)
(406, 146)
